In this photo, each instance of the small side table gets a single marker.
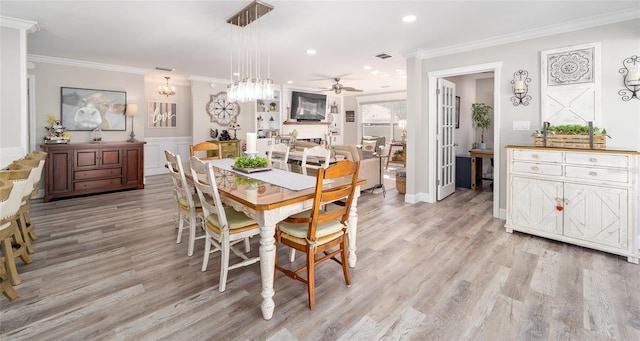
(380, 183)
(397, 145)
(476, 166)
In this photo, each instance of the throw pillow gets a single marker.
(369, 146)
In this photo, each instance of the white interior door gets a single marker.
(446, 140)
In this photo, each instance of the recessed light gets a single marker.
(367, 67)
(289, 82)
(311, 51)
(409, 18)
(236, 73)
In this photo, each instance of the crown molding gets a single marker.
(414, 53)
(80, 63)
(20, 24)
(569, 26)
(209, 79)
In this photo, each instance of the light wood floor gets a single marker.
(107, 267)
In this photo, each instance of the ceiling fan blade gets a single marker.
(348, 88)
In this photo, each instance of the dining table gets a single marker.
(269, 197)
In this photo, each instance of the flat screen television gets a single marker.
(308, 106)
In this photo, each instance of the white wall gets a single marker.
(50, 77)
(621, 119)
(14, 138)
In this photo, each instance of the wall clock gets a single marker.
(221, 110)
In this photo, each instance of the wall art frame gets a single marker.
(162, 115)
(570, 84)
(88, 109)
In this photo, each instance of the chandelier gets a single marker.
(166, 89)
(247, 83)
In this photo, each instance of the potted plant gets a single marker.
(398, 155)
(481, 119)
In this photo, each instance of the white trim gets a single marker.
(154, 158)
(20, 24)
(80, 63)
(433, 76)
(384, 97)
(208, 79)
(569, 26)
(31, 86)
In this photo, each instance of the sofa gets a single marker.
(369, 166)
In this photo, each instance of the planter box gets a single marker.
(571, 141)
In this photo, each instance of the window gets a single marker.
(381, 119)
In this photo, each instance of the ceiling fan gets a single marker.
(337, 87)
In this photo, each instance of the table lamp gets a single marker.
(132, 111)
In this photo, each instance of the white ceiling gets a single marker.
(194, 38)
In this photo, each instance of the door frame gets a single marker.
(433, 76)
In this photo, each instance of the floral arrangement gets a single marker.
(56, 133)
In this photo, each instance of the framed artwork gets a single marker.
(161, 115)
(88, 109)
(350, 116)
(570, 85)
(457, 112)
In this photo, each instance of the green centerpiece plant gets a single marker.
(250, 162)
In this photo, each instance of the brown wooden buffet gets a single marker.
(88, 168)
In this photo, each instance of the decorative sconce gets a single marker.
(520, 83)
(334, 108)
(631, 71)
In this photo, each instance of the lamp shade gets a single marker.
(132, 109)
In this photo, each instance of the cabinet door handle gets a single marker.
(593, 159)
(535, 168)
(593, 173)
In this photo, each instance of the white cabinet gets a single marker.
(269, 115)
(583, 197)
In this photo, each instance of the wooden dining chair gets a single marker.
(205, 147)
(317, 231)
(6, 288)
(320, 152)
(24, 217)
(187, 201)
(12, 244)
(279, 162)
(224, 226)
(42, 158)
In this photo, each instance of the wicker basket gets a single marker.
(571, 141)
(401, 182)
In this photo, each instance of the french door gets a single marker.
(445, 139)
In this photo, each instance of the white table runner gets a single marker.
(278, 177)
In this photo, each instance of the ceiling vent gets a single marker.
(383, 56)
(164, 69)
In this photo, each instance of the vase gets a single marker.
(482, 145)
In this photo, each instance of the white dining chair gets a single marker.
(187, 201)
(318, 151)
(279, 162)
(224, 226)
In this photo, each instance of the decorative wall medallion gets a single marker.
(570, 67)
(222, 110)
(571, 84)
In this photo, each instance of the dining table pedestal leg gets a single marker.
(267, 268)
(353, 228)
